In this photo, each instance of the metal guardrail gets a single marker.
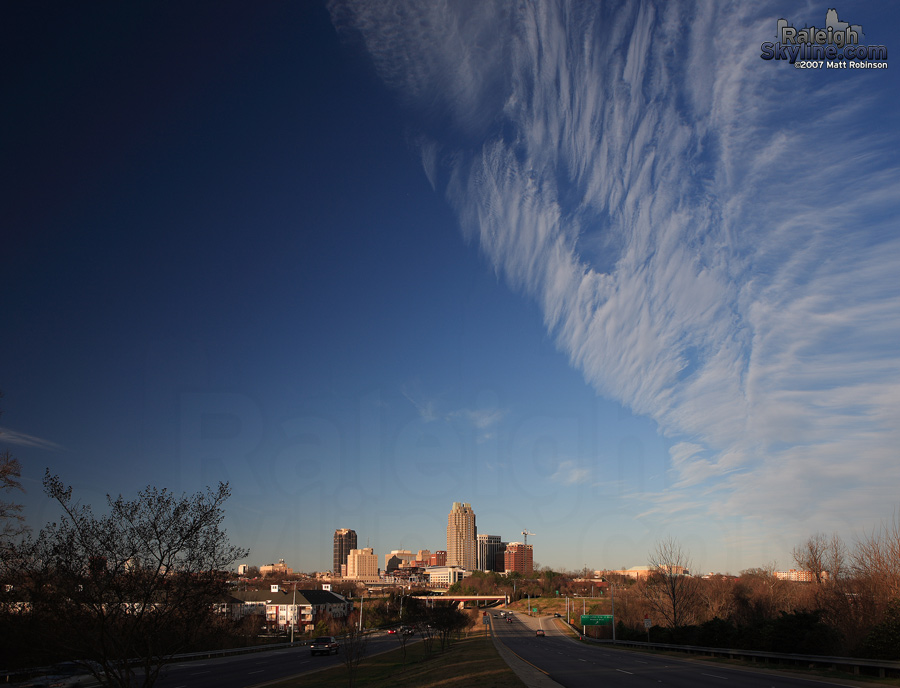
(853, 664)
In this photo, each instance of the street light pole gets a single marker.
(294, 612)
(612, 589)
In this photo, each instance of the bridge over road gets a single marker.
(495, 599)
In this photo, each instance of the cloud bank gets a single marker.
(711, 237)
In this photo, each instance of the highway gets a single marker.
(242, 671)
(575, 664)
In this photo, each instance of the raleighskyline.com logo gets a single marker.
(837, 45)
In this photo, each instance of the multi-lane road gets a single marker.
(575, 664)
(241, 671)
(567, 661)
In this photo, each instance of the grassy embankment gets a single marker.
(467, 662)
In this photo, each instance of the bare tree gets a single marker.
(810, 556)
(403, 636)
(669, 589)
(876, 560)
(137, 583)
(354, 645)
(12, 523)
(446, 618)
(822, 556)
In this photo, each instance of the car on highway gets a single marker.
(557, 615)
(539, 633)
(324, 645)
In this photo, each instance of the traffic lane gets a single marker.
(574, 664)
(242, 671)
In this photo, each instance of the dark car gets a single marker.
(324, 645)
(539, 633)
(557, 615)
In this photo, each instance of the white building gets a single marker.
(284, 607)
(362, 565)
(445, 576)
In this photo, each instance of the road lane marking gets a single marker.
(724, 678)
(255, 672)
(630, 673)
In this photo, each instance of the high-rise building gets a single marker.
(344, 541)
(461, 532)
(362, 564)
(519, 558)
(487, 547)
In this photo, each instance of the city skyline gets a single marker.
(600, 270)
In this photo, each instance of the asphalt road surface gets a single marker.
(576, 664)
(243, 671)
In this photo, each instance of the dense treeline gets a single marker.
(851, 605)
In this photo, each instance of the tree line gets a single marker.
(850, 606)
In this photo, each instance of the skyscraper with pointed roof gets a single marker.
(461, 536)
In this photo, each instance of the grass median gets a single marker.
(467, 662)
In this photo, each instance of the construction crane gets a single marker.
(525, 534)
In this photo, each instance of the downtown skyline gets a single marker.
(599, 270)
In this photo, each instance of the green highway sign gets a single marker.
(596, 620)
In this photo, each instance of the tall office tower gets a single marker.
(344, 541)
(488, 547)
(461, 534)
(519, 557)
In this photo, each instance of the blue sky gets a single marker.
(597, 269)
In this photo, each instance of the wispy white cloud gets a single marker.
(8, 436)
(426, 408)
(569, 473)
(483, 420)
(710, 237)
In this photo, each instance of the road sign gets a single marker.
(596, 620)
